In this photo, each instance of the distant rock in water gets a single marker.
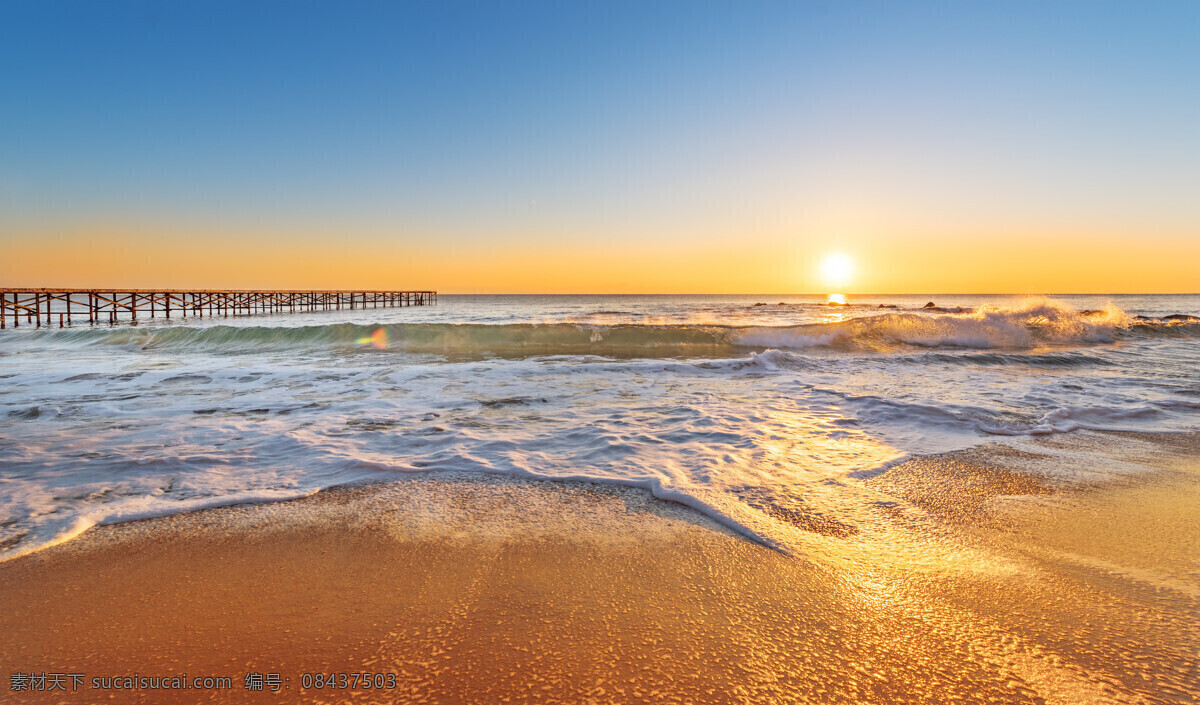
(760, 304)
(1091, 312)
(888, 306)
(781, 303)
(931, 306)
(836, 303)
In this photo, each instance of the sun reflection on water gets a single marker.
(836, 309)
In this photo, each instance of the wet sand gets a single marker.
(982, 577)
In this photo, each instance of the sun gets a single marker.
(837, 270)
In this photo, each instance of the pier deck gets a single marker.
(39, 307)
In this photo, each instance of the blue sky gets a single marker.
(675, 122)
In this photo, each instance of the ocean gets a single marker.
(765, 413)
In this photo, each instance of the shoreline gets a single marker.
(481, 588)
(984, 455)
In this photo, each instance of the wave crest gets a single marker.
(1036, 324)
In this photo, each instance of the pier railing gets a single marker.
(38, 307)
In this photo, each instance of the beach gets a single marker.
(600, 352)
(983, 579)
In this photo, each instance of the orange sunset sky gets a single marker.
(714, 263)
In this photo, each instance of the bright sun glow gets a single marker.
(836, 270)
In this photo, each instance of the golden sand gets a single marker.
(981, 580)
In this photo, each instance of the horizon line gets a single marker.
(601, 293)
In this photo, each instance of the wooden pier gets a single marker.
(40, 307)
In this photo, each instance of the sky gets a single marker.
(601, 147)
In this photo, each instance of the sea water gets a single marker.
(754, 410)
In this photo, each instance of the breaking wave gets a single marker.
(1036, 325)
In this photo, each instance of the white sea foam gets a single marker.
(1031, 324)
(1094, 418)
(766, 412)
